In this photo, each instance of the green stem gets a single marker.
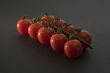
(86, 43)
(34, 20)
(78, 29)
(72, 36)
(56, 18)
(24, 17)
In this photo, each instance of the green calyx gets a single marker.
(24, 17)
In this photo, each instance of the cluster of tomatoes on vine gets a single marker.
(61, 36)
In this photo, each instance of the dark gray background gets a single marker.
(24, 55)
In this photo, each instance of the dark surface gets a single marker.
(24, 55)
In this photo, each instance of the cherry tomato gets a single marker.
(59, 23)
(44, 35)
(22, 26)
(47, 18)
(33, 30)
(57, 42)
(70, 29)
(86, 36)
(73, 49)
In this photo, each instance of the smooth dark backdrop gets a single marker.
(24, 55)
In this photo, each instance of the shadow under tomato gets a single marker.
(46, 55)
(34, 46)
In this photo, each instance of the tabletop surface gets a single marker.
(24, 55)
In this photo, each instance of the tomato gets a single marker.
(33, 30)
(44, 35)
(70, 29)
(47, 18)
(86, 36)
(22, 26)
(73, 49)
(57, 42)
(58, 23)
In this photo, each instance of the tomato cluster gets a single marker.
(61, 36)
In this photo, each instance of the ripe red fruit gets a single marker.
(47, 18)
(22, 26)
(70, 29)
(86, 36)
(44, 35)
(58, 23)
(73, 49)
(57, 42)
(33, 30)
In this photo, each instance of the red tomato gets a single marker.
(22, 26)
(59, 23)
(86, 36)
(47, 18)
(73, 49)
(44, 35)
(70, 29)
(33, 30)
(57, 42)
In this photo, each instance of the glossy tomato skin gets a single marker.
(22, 26)
(47, 18)
(70, 29)
(33, 30)
(86, 36)
(73, 49)
(44, 35)
(57, 42)
(58, 23)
